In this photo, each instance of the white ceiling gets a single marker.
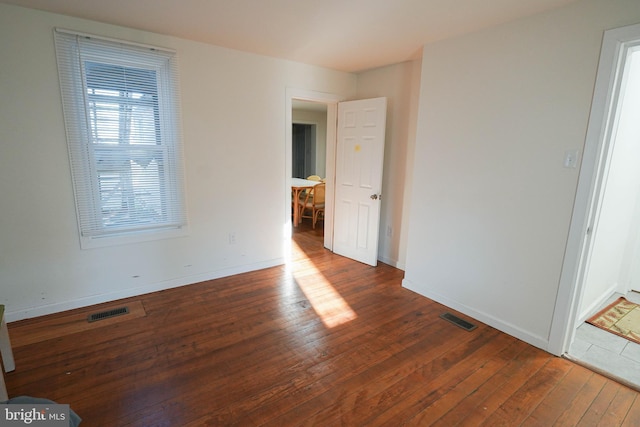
(347, 35)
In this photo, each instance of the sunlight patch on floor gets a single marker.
(325, 300)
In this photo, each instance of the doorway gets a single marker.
(304, 100)
(367, 118)
(309, 146)
(612, 269)
(612, 266)
(604, 237)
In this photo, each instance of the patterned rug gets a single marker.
(622, 317)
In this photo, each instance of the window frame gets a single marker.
(75, 51)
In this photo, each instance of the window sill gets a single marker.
(132, 237)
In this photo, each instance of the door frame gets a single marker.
(331, 101)
(595, 162)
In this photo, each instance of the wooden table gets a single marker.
(298, 185)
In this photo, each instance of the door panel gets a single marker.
(359, 160)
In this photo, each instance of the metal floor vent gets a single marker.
(107, 314)
(458, 321)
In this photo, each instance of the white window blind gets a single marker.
(122, 119)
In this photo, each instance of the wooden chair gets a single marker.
(314, 202)
(305, 193)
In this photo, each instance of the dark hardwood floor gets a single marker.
(321, 341)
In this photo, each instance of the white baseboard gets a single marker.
(160, 286)
(501, 325)
(391, 262)
(595, 306)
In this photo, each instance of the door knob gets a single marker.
(375, 197)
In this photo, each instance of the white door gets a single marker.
(358, 185)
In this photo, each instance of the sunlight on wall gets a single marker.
(325, 300)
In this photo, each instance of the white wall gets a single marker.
(400, 84)
(233, 107)
(492, 202)
(614, 252)
(319, 119)
(633, 259)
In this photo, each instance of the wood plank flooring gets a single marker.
(322, 341)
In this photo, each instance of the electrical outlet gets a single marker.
(232, 238)
(389, 231)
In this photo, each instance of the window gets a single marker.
(121, 114)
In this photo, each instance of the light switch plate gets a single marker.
(571, 159)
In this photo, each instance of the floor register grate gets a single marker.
(458, 321)
(108, 314)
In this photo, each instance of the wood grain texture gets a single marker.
(321, 341)
(35, 330)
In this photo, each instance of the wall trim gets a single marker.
(596, 305)
(507, 328)
(12, 316)
(391, 262)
